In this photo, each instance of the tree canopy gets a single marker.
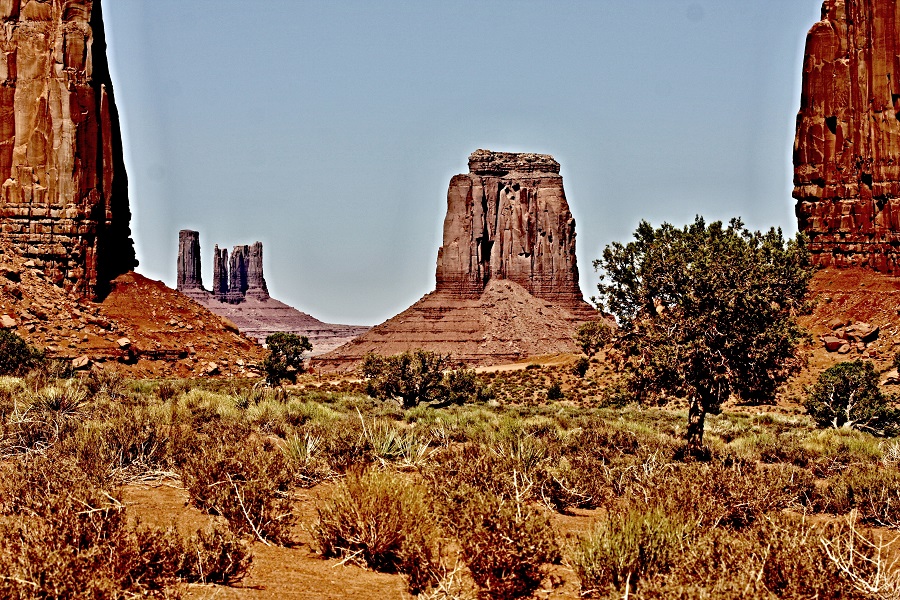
(285, 359)
(706, 311)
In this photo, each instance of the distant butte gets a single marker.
(847, 146)
(507, 275)
(241, 295)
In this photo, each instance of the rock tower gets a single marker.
(508, 219)
(64, 194)
(847, 146)
(233, 281)
(506, 279)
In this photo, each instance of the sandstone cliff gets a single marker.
(64, 196)
(847, 146)
(507, 278)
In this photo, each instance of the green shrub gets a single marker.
(285, 358)
(624, 548)
(847, 395)
(384, 521)
(506, 545)
(419, 377)
(554, 392)
(581, 366)
(16, 356)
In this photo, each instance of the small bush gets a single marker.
(847, 395)
(385, 521)
(554, 392)
(581, 366)
(244, 480)
(16, 356)
(506, 546)
(623, 549)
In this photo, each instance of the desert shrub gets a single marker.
(215, 555)
(871, 490)
(581, 366)
(715, 494)
(305, 458)
(554, 392)
(592, 336)
(66, 538)
(384, 521)
(243, 479)
(624, 548)
(418, 377)
(108, 382)
(505, 544)
(285, 358)
(781, 556)
(847, 395)
(16, 356)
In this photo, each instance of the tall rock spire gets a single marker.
(256, 283)
(189, 275)
(847, 146)
(64, 191)
(220, 274)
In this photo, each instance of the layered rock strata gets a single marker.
(506, 279)
(847, 146)
(64, 196)
(241, 295)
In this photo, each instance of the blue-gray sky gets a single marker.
(329, 129)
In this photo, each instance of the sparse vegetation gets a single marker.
(466, 497)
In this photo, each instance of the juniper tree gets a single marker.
(706, 312)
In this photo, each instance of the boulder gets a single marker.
(861, 332)
(7, 322)
(81, 363)
(832, 343)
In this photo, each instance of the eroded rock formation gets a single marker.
(241, 295)
(847, 146)
(189, 276)
(507, 278)
(64, 196)
(508, 219)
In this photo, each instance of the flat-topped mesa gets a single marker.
(847, 146)
(508, 219)
(64, 192)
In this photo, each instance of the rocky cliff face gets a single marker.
(847, 147)
(64, 196)
(508, 219)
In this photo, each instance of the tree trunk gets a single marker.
(696, 418)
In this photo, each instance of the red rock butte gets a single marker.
(507, 275)
(64, 194)
(847, 146)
